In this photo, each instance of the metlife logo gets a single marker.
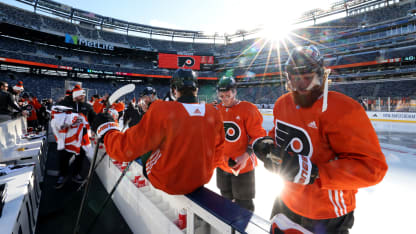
(75, 40)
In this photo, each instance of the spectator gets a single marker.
(93, 98)
(32, 106)
(7, 103)
(49, 104)
(77, 105)
(134, 115)
(131, 116)
(148, 96)
(16, 90)
(99, 104)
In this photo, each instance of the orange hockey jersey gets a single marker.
(242, 125)
(186, 140)
(98, 106)
(341, 142)
(118, 106)
(32, 106)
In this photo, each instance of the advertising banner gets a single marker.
(174, 61)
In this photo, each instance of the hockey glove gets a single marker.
(103, 123)
(297, 168)
(291, 166)
(264, 148)
(268, 153)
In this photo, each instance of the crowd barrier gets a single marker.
(149, 210)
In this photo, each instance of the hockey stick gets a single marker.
(112, 190)
(101, 159)
(114, 97)
(108, 197)
(95, 167)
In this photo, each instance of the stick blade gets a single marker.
(121, 92)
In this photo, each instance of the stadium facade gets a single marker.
(371, 52)
(374, 41)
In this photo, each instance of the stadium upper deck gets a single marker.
(375, 40)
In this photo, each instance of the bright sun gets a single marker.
(276, 32)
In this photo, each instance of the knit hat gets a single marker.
(77, 91)
(18, 86)
(68, 92)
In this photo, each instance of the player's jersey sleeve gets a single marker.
(219, 140)
(253, 123)
(137, 140)
(359, 161)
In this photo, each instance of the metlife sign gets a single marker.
(75, 40)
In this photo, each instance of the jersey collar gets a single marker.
(188, 99)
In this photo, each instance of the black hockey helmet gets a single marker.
(226, 83)
(304, 69)
(184, 78)
(148, 91)
(306, 59)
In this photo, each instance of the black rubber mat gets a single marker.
(59, 208)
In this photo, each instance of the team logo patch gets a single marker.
(293, 139)
(232, 131)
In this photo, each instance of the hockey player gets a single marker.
(324, 147)
(186, 138)
(242, 125)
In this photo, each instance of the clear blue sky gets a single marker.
(204, 15)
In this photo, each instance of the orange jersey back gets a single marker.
(242, 125)
(186, 140)
(341, 142)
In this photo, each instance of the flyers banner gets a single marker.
(174, 61)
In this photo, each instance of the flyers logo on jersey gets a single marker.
(232, 131)
(293, 139)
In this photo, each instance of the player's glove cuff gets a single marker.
(105, 127)
(298, 169)
(262, 147)
(249, 150)
(103, 123)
